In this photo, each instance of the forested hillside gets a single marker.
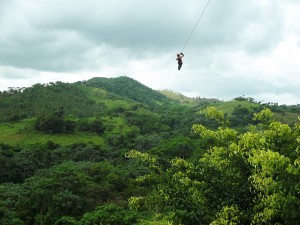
(129, 88)
(113, 151)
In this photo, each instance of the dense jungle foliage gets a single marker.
(113, 151)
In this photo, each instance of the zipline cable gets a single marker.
(196, 25)
(188, 39)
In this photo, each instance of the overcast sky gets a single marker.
(239, 47)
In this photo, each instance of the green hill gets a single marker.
(129, 88)
(81, 99)
(117, 105)
(113, 151)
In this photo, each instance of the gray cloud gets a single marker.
(110, 36)
(141, 26)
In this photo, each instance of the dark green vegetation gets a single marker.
(113, 151)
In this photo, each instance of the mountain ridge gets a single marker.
(101, 95)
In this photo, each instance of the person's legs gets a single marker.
(179, 66)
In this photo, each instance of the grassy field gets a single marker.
(23, 133)
(227, 107)
(177, 97)
(286, 117)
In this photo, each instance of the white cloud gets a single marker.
(282, 65)
(284, 98)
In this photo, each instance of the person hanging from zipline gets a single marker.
(179, 59)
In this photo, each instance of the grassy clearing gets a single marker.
(176, 96)
(62, 139)
(23, 133)
(188, 101)
(228, 107)
(286, 117)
